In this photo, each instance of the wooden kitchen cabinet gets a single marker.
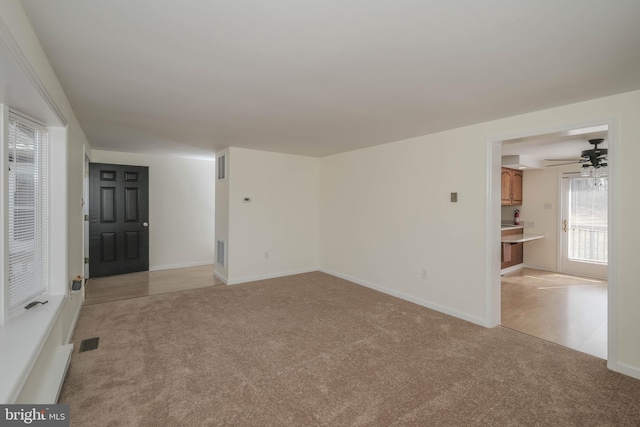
(511, 193)
(516, 250)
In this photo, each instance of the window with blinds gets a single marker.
(28, 210)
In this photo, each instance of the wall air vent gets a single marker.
(222, 166)
(221, 252)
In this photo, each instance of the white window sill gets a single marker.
(21, 341)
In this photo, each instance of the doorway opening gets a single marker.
(565, 285)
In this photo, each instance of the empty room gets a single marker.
(295, 213)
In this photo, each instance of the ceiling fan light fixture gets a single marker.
(594, 160)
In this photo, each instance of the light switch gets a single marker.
(454, 197)
(247, 200)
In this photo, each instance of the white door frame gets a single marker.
(85, 211)
(493, 215)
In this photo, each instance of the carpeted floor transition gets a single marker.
(313, 349)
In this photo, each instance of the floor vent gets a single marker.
(89, 344)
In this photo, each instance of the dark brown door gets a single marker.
(118, 219)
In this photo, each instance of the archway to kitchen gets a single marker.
(566, 309)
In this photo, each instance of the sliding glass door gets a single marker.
(584, 226)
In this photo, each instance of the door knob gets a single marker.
(145, 224)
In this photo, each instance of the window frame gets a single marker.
(40, 209)
(58, 209)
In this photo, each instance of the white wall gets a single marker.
(507, 212)
(385, 214)
(281, 220)
(540, 189)
(181, 207)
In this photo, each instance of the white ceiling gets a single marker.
(323, 77)
(557, 145)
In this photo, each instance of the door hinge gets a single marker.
(86, 217)
(86, 260)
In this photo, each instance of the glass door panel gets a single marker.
(584, 227)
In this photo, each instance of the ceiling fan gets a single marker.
(595, 157)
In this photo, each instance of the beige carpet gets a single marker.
(312, 350)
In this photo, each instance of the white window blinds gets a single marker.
(28, 210)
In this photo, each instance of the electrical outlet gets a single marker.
(423, 274)
(531, 224)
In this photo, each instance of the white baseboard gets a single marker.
(624, 369)
(512, 268)
(406, 297)
(269, 276)
(182, 265)
(221, 277)
(541, 267)
(76, 316)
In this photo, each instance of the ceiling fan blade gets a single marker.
(562, 164)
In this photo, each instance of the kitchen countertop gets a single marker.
(510, 227)
(519, 238)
